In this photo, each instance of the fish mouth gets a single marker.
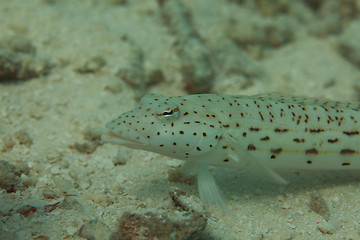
(112, 137)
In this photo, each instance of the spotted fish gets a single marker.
(262, 133)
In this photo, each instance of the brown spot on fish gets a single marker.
(318, 130)
(333, 140)
(281, 130)
(254, 129)
(311, 151)
(298, 140)
(306, 118)
(262, 118)
(299, 119)
(347, 151)
(325, 108)
(345, 164)
(309, 162)
(276, 151)
(351, 133)
(267, 138)
(251, 147)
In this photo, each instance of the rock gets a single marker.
(155, 76)
(349, 43)
(19, 62)
(19, 66)
(162, 226)
(10, 176)
(196, 68)
(7, 143)
(21, 44)
(119, 159)
(184, 201)
(65, 186)
(318, 205)
(93, 134)
(26, 210)
(95, 230)
(49, 193)
(87, 147)
(71, 203)
(23, 138)
(264, 33)
(92, 65)
(29, 180)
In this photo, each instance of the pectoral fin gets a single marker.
(247, 161)
(208, 189)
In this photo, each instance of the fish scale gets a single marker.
(261, 133)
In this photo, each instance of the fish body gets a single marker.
(261, 132)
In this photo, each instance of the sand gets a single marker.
(68, 67)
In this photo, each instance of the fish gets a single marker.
(262, 133)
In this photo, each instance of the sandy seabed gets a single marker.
(68, 67)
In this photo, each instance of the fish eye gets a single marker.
(167, 112)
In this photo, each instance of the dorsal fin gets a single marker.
(289, 99)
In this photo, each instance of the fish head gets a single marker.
(165, 125)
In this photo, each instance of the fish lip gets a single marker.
(112, 137)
